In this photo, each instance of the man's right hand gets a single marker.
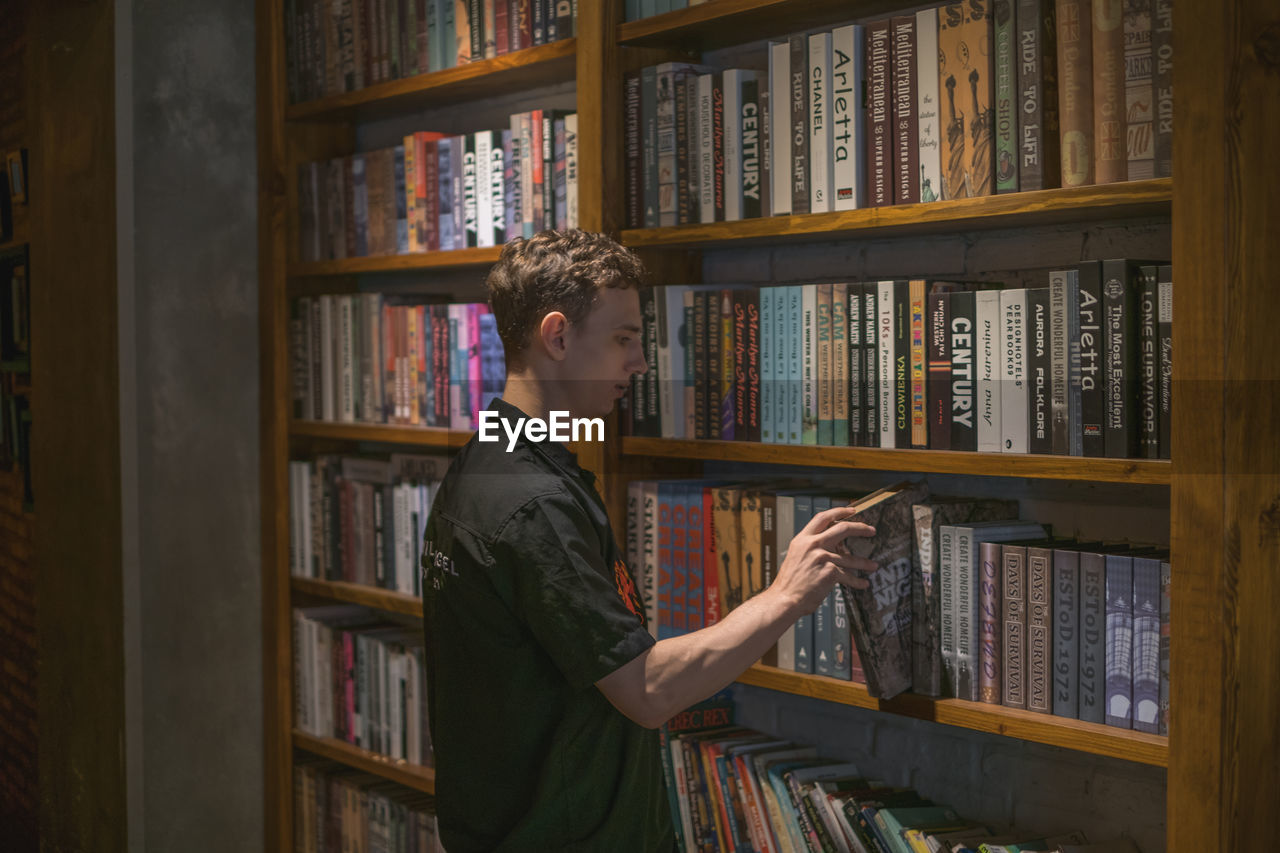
(816, 560)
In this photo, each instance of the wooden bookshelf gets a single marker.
(524, 69)
(728, 22)
(413, 776)
(417, 261)
(362, 594)
(433, 437)
(1145, 471)
(1015, 210)
(995, 719)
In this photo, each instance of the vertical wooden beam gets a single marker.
(76, 426)
(273, 241)
(1223, 776)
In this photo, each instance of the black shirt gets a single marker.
(527, 602)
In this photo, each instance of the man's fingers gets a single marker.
(849, 579)
(854, 564)
(842, 530)
(827, 517)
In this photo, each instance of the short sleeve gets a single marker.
(567, 593)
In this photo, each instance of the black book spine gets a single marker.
(750, 148)
(856, 379)
(1148, 408)
(870, 367)
(1036, 55)
(475, 13)
(799, 125)
(1092, 399)
(539, 22)
(902, 363)
(717, 143)
(1165, 330)
(564, 18)
(701, 417)
(548, 168)
(1039, 365)
(647, 404)
(685, 200)
(1120, 333)
(739, 302)
(964, 431)
(635, 193)
(938, 369)
(715, 364)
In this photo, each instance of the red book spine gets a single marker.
(693, 599)
(710, 579)
(664, 563)
(680, 566)
(502, 26)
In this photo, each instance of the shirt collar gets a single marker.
(552, 451)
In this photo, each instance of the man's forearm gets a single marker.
(681, 671)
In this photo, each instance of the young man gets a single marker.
(544, 687)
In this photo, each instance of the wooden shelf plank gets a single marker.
(1138, 471)
(524, 69)
(413, 776)
(729, 22)
(1041, 207)
(456, 259)
(436, 437)
(362, 594)
(1025, 725)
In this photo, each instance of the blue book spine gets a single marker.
(444, 189)
(1119, 641)
(492, 368)
(694, 544)
(778, 295)
(402, 213)
(767, 364)
(1066, 624)
(804, 625)
(1146, 644)
(665, 566)
(795, 341)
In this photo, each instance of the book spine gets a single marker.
(966, 610)
(1162, 83)
(752, 305)
(1120, 359)
(483, 188)
(631, 141)
(989, 324)
(804, 625)
(768, 364)
(667, 74)
(1035, 48)
(801, 161)
(919, 401)
(821, 184)
(711, 599)
(685, 87)
(740, 366)
(906, 156)
(871, 365)
(649, 549)
(749, 149)
(1059, 365)
(1119, 641)
(705, 123)
(879, 149)
(728, 367)
(809, 364)
(1075, 91)
(1166, 639)
(702, 417)
(1066, 621)
(1039, 368)
(1110, 162)
(1075, 430)
(679, 562)
(734, 81)
(666, 566)
(947, 608)
(848, 166)
(1013, 359)
(928, 114)
(717, 145)
(548, 169)
(560, 183)
(779, 139)
(1092, 637)
(1146, 644)
(901, 358)
(648, 148)
(939, 370)
(1138, 90)
(1093, 405)
(884, 352)
(840, 365)
(1014, 562)
(990, 624)
(962, 340)
(1164, 326)
(857, 372)
(1006, 100)
(1039, 633)
(1148, 406)
(822, 371)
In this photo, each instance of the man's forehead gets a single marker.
(616, 306)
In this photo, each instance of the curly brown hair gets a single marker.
(554, 271)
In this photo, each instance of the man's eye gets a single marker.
(624, 340)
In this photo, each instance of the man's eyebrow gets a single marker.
(627, 327)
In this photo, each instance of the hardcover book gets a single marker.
(880, 149)
(1039, 163)
(1110, 162)
(1119, 640)
(1007, 103)
(1075, 91)
(1039, 663)
(906, 157)
(965, 78)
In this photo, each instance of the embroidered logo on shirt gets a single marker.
(627, 590)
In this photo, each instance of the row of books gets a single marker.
(339, 809)
(435, 192)
(337, 46)
(735, 788)
(366, 358)
(1082, 367)
(964, 100)
(635, 10)
(361, 519)
(361, 679)
(968, 602)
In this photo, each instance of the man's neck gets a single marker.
(532, 396)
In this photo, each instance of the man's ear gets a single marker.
(552, 331)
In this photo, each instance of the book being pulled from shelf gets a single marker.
(436, 192)
(1079, 365)
(956, 101)
(337, 47)
(370, 358)
(340, 808)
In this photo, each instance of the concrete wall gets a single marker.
(193, 635)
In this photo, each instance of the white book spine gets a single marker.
(780, 127)
(1013, 362)
(484, 189)
(821, 179)
(497, 187)
(347, 331)
(706, 150)
(884, 357)
(571, 168)
(987, 318)
(733, 79)
(927, 113)
(848, 134)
